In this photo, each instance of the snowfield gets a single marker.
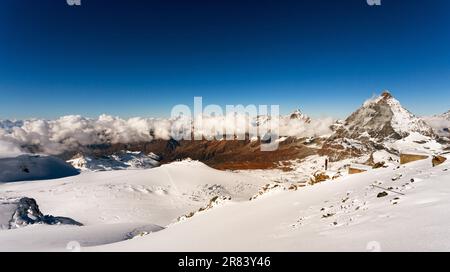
(346, 214)
(389, 209)
(115, 203)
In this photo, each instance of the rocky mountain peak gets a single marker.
(299, 115)
(383, 117)
(386, 94)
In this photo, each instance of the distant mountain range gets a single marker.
(122, 160)
(381, 123)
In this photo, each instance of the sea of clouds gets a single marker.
(69, 132)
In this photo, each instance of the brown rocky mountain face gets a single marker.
(232, 155)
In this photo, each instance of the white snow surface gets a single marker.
(344, 214)
(113, 203)
(339, 215)
(416, 143)
(403, 121)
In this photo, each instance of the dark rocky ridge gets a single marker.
(28, 213)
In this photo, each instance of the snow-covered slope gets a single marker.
(68, 238)
(34, 167)
(393, 208)
(130, 198)
(388, 209)
(120, 161)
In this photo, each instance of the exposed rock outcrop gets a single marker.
(407, 158)
(437, 160)
(25, 211)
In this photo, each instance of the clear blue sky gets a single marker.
(139, 58)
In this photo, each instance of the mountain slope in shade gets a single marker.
(34, 167)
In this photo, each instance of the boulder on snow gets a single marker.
(382, 194)
(142, 231)
(379, 165)
(34, 167)
(319, 176)
(437, 160)
(358, 168)
(411, 157)
(25, 211)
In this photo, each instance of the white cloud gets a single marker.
(69, 132)
(8, 149)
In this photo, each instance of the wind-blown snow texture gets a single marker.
(347, 214)
(116, 200)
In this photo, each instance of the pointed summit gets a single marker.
(383, 117)
(298, 115)
(386, 94)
